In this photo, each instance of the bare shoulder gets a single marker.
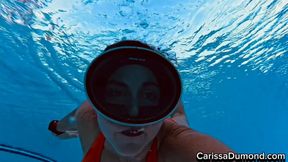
(181, 143)
(87, 125)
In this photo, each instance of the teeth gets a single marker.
(142, 129)
(135, 131)
(138, 130)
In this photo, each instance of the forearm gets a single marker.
(66, 127)
(68, 123)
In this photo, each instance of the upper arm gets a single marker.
(87, 125)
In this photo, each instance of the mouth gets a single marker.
(133, 132)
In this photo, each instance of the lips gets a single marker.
(133, 132)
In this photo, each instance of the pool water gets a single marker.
(232, 58)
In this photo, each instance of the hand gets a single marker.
(53, 128)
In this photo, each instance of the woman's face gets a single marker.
(130, 86)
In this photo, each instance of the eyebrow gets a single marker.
(118, 83)
(150, 84)
(115, 82)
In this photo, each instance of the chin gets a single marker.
(130, 150)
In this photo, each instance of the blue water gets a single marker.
(232, 57)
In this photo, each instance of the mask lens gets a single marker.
(132, 85)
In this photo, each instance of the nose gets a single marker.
(134, 111)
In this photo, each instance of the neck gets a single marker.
(138, 158)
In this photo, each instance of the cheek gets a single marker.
(153, 130)
(106, 127)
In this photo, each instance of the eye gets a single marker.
(115, 93)
(152, 96)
